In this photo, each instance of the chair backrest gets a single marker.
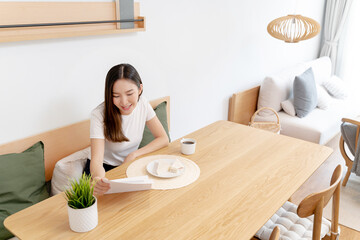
(275, 234)
(314, 204)
(349, 136)
(347, 158)
(343, 151)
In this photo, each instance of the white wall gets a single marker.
(198, 52)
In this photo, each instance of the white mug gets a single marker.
(188, 146)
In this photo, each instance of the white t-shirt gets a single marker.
(133, 128)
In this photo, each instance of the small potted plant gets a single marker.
(82, 204)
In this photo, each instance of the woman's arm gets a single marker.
(161, 139)
(97, 157)
(96, 166)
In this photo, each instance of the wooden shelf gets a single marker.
(52, 12)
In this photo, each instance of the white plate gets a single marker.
(164, 164)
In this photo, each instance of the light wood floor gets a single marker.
(320, 180)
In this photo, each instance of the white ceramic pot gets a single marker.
(83, 220)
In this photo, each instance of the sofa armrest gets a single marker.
(242, 105)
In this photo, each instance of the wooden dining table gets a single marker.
(246, 176)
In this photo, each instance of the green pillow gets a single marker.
(22, 182)
(160, 111)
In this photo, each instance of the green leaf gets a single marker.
(80, 194)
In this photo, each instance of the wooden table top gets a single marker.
(246, 175)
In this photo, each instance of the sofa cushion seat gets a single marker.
(319, 126)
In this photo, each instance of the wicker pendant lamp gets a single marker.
(293, 28)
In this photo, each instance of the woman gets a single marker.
(117, 125)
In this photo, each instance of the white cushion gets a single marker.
(288, 107)
(70, 167)
(336, 87)
(324, 99)
(277, 88)
(292, 227)
(321, 68)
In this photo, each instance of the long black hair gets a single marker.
(112, 116)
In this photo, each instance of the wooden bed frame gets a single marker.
(242, 105)
(64, 141)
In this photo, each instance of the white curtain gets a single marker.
(348, 60)
(335, 17)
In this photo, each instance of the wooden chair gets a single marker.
(313, 204)
(275, 234)
(348, 161)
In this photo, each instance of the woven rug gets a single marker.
(349, 196)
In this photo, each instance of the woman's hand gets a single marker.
(130, 157)
(101, 187)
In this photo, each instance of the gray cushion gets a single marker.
(348, 132)
(305, 94)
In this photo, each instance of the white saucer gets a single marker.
(165, 164)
